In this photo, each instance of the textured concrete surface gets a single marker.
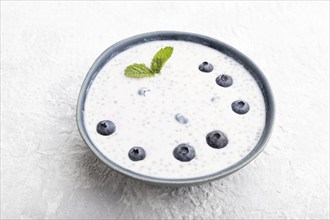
(48, 172)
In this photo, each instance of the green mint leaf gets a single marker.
(160, 59)
(138, 71)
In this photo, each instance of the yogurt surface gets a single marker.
(149, 120)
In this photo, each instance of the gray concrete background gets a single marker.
(48, 172)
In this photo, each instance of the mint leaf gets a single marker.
(160, 59)
(140, 70)
(137, 70)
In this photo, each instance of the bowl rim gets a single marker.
(122, 45)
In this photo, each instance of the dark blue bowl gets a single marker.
(191, 37)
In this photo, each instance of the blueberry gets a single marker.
(143, 91)
(181, 119)
(224, 80)
(184, 152)
(240, 107)
(105, 127)
(136, 153)
(216, 139)
(205, 67)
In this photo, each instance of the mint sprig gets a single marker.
(140, 70)
(160, 59)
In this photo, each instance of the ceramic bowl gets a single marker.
(191, 37)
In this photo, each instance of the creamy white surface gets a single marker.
(48, 172)
(149, 121)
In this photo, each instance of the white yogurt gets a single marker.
(149, 121)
